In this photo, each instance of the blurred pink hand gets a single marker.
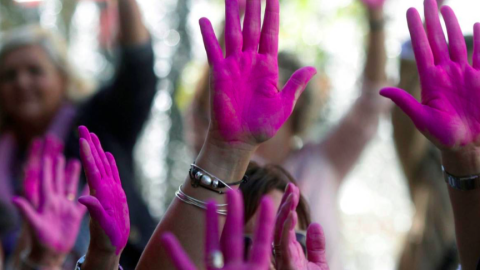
(247, 105)
(374, 3)
(449, 114)
(231, 244)
(289, 254)
(56, 218)
(108, 203)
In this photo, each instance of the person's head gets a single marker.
(35, 76)
(306, 108)
(271, 180)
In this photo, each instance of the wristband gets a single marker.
(201, 178)
(465, 183)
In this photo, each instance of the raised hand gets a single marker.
(107, 204)
(289, 254)
(227, 254)
(448, 114)
(373, 3)
(247, 104)
(56, 218)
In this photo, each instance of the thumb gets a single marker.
(316, 246)
(27, 211)
(407, 103)
(297, 83)
(96, 211)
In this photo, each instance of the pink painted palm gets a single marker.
(107, 203)
(248, 106)
(448, 113)
(289, 254)
(231, 243)
(56, 219)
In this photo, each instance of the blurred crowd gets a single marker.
(69, 196)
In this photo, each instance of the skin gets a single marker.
(289, 254)
(31, 90)
(55, 221)
(247, 108)
(107, 204)
(447, 115)
(231, 242)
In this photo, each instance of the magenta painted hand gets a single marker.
(247, 104)
(57, 218)
(289, 254)
(40, 148)
(449, 114)
(231, 244)
(107, 204)
(374, 3)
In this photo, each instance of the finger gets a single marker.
(316, 246)
(287, 237)
(297, 83)
(72, 175)
(476, 46)
(97, 212)
(59, 179)
(113, 167)
(89, 166)
(212, 234)
(46, 189)
(210, 41)
(85, 192)
(85, 134)
(35, 153)
(282, 215)
(233, 33)
(27, 211)
(456, 41)
(232, 236)
(251, 25)
(101, 154)
(270, 29)
(435, 32)
(408, 104)
(262, 243)
(287, 193)
(175, 252)
(421, 47)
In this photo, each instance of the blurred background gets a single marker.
(374, 202)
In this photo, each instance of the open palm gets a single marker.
(448, 113)
(247, 104)
(107, 204)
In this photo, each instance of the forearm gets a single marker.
(376, 53)
(345, 144)
(185, 221)
(466, 205)
(98, 260)
(132, 29)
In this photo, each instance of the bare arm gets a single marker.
(132, 29)
(345, 144)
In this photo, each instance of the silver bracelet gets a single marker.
(81, 261)
(465, 183)
(198, 203)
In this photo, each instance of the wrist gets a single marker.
(375, 14)
(226, 161)
(43, 259)
(462, 162)
(101, 259)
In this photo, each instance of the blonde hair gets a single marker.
(56, 48)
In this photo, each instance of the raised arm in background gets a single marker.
(247, 108)
(344, 145)
(448, 114)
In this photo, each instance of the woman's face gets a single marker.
(31, 86)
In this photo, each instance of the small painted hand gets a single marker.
(228, 253)
(107, 203)
(56, 220)
(448, 114)
(247, 106)
(289, 254)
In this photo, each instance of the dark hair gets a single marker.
(264, 179)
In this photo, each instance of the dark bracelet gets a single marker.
(376, 25)
(201, 178)
(462, 183)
